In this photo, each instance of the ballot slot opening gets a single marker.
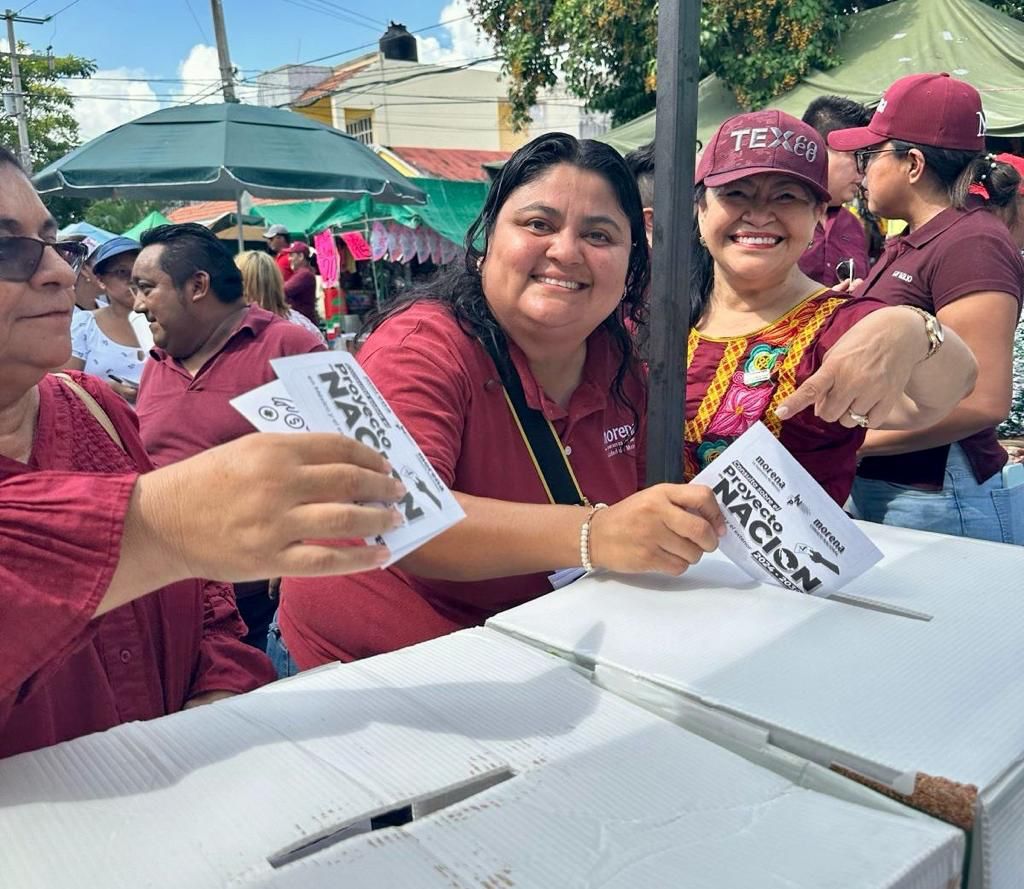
(404, 813)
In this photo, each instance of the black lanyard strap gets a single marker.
(539, 436)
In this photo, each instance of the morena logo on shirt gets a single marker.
(619, 438)
(757, 137)
(903, 276)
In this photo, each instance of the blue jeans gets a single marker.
(963, 508)
(278, 652)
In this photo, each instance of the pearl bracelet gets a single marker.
(588, 566)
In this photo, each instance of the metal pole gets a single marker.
(241, 232)
(226, 71)
(674, 159)
(19, 95)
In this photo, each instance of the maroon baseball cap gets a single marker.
(928, 109)
(296, 247)
(768, 141)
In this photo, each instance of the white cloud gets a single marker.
(466, 41)
(114, 96)
(200, 75)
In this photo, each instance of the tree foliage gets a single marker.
(116, 215)
(52, 129)
(607, 49)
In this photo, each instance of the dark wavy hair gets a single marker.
(460, 289)
(190, 248)
(956, 171)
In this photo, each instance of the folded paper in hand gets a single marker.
(330, 392)
(782, 526)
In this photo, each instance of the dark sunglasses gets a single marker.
(20, 257)
(862, 155)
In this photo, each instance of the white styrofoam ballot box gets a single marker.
(930, 710)
(517, 770)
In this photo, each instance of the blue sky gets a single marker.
(154, 52)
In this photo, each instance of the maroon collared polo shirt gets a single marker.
(447, 393)
(954, 254)
(840, 237)
(181, 415)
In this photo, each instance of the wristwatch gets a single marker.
(932, 326)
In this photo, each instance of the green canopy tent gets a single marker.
(450, 209)
(151, 220)
(968, 39)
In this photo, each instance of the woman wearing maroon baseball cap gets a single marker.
(921, 153)
(767, 341)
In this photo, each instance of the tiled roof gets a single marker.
(327, 86)
(451, 163)
(207, 211)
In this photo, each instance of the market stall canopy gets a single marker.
(86, 230)
(968, 39)
(151, 220)
(211, 152)
(450, 209)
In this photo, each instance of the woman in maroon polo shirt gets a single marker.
(563, 264)
(761, 328)
(564, 261)
(921, 152)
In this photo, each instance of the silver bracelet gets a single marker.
(588, 566)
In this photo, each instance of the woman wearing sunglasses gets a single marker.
(103, 343)
(920, 154)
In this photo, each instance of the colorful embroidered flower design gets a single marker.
(741, 407)
(763, 358)
(709, 451)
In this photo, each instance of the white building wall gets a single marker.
(282, 86)
(422, 105)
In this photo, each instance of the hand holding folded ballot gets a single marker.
(665, 528)
(329, 392)
(248, 509)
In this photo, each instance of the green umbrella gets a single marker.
(217, 152)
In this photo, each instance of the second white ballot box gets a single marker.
(927, 711)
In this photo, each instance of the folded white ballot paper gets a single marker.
(782, 526)
(330, 392)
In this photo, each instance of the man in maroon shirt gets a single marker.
(278, 239)
(839, 250)
(209, 347)
(300, 288)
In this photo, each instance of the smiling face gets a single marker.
(757, 228)
(557, 258)
(35, 316)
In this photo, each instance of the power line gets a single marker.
(199, 25)
(364, 46)
(54, 15)
(328, 11)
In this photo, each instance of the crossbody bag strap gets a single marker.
(542, 442)
(93, 406)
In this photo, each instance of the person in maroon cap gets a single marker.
(300, 288)
(762, 328)
(921, 152)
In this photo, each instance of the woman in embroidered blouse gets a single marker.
(761, 328)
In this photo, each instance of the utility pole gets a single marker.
(19, 94)
(226, 71)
